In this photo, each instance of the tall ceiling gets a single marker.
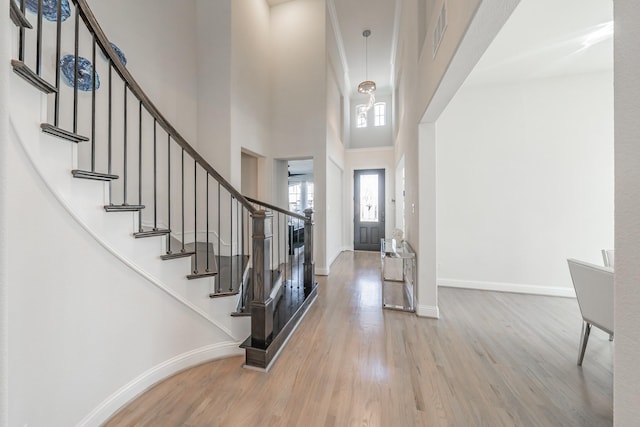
(541, 39)
(355, 16)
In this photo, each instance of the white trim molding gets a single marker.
(5, 54)
(156, 374)
(333, 16)
(430, 311)
(322, 271)
(518, 288)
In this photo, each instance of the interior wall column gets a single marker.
(626, 378)
(427, 287)
(5, 54)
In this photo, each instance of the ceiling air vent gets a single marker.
(441, 25)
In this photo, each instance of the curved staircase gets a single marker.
(143, 192)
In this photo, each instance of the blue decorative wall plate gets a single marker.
(85, 71)
(50, 9)
(120, 53)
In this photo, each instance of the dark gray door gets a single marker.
(368, 218)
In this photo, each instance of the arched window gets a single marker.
(380, 112)
(361, 119)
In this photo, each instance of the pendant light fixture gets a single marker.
(367, 87)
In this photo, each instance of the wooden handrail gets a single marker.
(94, 27)
(275, 208)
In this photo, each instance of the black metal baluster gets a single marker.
(299, 259)
(93, 104)
(110, 131)
(182, 168)
(279, 232)
(21, 41)
(240, 258)
(39, 39)
(75, 70)
(272, 254)
(155, 178)
(207, 215)
(124, 172)
(230, 242)
(286, 258)
(219, 278)
(169, 191)
(195, 215)
(140, 161)
(56, 111)
(242, 228)
(242, 289)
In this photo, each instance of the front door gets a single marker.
(369, 209)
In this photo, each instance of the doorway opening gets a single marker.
(300, 185)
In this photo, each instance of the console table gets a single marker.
(398, 275)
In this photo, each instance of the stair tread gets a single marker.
(151, 233)
(232, 271)
(17, 16)
(61, 133)
(223, 294)
(177, 254)
(24, 71)
(199, 260)
(240, 314)
(123, 208)
(201, 274)
(98, 176)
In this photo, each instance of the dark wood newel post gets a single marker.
(262, 304)
(309, 275)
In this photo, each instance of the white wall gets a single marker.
(249, 169)
(406, 139)
(626, 382)
(335, 198)
(87, 332)
(161, 53)
(525, 183)
(433, 68)
(249, 81)
(470, 30)
(399, 195)
(298, 94)
(213, 43)
(5, 54)
(371, 158)
(337, 104)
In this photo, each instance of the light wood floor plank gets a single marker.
(493, 359)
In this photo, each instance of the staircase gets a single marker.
(138, 169)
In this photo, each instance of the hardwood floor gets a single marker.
(492, 359)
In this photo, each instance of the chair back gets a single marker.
(594, 290)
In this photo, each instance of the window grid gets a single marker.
(361, 119)
(379, 113)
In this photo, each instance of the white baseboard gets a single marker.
(326, 271)
(159, 372)
(554, 291)
(428, 311)
(322, 271)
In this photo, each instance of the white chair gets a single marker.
(608, 257)
(594, 290)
